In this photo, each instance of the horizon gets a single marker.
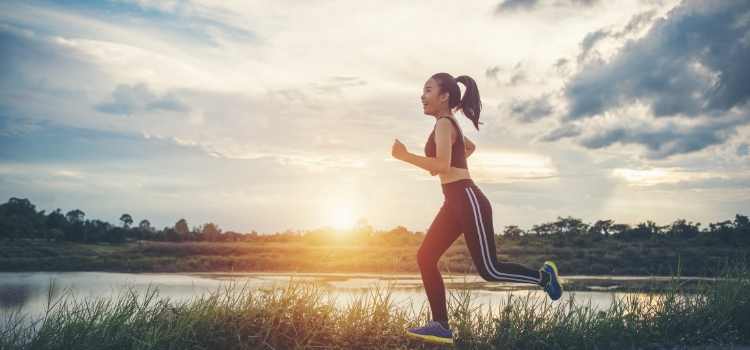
(269, 116)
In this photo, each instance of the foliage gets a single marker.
(605, 247)
(303, 315)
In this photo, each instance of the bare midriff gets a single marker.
(454, 174)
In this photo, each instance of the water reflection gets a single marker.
(30, 291)
(14, 295)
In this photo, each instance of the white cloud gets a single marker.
(656, 176)
(506, 167)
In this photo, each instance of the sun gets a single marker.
(342, 217)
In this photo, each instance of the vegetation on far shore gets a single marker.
(32, 240)
(303, 315)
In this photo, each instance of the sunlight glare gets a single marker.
(342, 216)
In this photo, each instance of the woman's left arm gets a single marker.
(470, 146)
(441, 163)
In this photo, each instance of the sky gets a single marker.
(276, 115)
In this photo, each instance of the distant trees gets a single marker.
(20, 219)
(211, 232)
(601, 227)
(126, 221)
(75, 215)
(512, 232)
(568, 227)
(145, 225)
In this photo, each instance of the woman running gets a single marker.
(465, 209)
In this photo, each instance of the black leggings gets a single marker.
(465, 210)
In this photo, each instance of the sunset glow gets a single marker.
(271, 115)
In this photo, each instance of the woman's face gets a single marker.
(433, 102)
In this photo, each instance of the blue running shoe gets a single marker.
(432, 332)
(554, 288)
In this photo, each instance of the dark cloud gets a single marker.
(564, 131)
(666, 141)
(532, 110)
(518, 74)
(673, 68)
(512, 5)
(584, 2)
(691, 65)
(637, 22)
(561, 63)
(589, 41)
(139, 98)
(743, 149)
(491, 73)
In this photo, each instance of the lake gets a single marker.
(30, 291)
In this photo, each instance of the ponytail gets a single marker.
(470, 105)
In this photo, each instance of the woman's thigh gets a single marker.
(443, 231)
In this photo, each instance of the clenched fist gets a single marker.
(399, 150)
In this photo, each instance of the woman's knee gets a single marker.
(485, 275)
(425, 260)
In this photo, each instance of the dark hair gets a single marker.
(470, 105)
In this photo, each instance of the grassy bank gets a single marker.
(608, 258)
(300, 316)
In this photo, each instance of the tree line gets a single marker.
(19, 219)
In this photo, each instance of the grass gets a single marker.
(302, 315)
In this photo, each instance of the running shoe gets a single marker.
(432, 332)
(554, 288)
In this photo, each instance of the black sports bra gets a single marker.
(458, 149)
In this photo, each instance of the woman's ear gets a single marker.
(444, 97)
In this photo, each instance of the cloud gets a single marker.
(507, 167)
(529, 111)
(584, 2)
(666, 141)
(568, 130)
(638, 22)
(690, 64)
(742, 149)
(688, 71)
(512, 5)
(589, 41)
(130, 99)
(50, 142)
(518, 74)
(657, 176)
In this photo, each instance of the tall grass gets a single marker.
(303, 315)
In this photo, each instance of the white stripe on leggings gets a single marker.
(486, 251)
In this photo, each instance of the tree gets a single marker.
(211, 232)
(19, 218)
(180, 232)
(602, 227)
(723, 230)
(145, 225)
(570, 226)
(55, 220)
(126, 221)
(683, 229)
(512, 231)
(116, 235)
(76, 232)
(545, 229)
(75, 216)
(645, 230)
